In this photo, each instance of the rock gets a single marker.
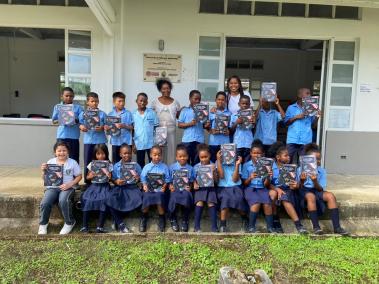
(261, 277)
(230, 275)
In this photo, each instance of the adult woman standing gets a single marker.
(234, 91)
(168, 110)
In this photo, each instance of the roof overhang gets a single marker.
(353, 3)
(104, 13)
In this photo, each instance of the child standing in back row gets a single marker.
(69, 133)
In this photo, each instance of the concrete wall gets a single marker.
(34, 71)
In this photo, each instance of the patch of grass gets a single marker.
(164, 259)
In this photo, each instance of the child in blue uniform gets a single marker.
(96, 195)
(63, 194)
(313, 193)
(242, 137)
(267, 123)
(257, 189)
(69, 133)
(217, 138)
(154, 198)
(126, 125)
(193, 133)
(145, 120)
(229, 191)
(124, 196)
(286, 194)
(182, 197)
(95, 136)
(205, 195)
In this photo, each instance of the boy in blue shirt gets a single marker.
(193, 133)
(312, 191)
(92, 136)
(243, 138)
(69, 133)
(145, 120)
(126, 125)
(299, 126)
(267, 123)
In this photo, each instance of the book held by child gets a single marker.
(91, 118)
(264, 166)
(287, 174)
(246, 115)
(111, 122)
(101, 170)
(268, 91)
(228, 152)
(201, 112)
(222, 122)
(181, 179)
(66, 115)
(53, 175)
(160, 136)
(129, 172)
(308, 165)
(311, 105)
(155, 182)
(204, 176)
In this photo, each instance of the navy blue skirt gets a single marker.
(125, 198)
(231, 197)
(320, 204)
(95, 197)
(288, 196)
(178, 197)
(257, 196)
(206, 194)
(153, 198)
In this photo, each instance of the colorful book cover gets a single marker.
(129, 172)
(155, 182)
(246, 116)
(222, 123)
(268, 91)
(229, 153)
(201, 112)
(287, 174)
(181, 179)
(308, 165)
(66, 115)
(311, 105)
(204, 176)
(101, 169)
(92, 119)
(111, 122)
(160, 136)
(53, 175)
(264, 166)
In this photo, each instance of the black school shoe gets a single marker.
(271, 230)
(184, 226)
(143, 225)
(341, 231)
(223, 229)
(278, 227)
(301, 230)
(318, 231)
(252, 230)
(162, 225)
(84, 230)
(100, 230)
(174, 225)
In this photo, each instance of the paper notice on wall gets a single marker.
(156, 65)
(365, 88)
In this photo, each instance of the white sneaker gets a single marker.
(42, 229)
(66, 229)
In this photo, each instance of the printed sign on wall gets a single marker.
(156, 65)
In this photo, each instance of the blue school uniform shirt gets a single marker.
(266, 128)
(300, 131)
(116, 174)
(93, 136)
(126, 135)
(68, 131)
(144, 128)
(321, 178)
(160, 168)
(194, 133)
(176, 166)
(249, 168)
(218, 139)
(227, 181)
(243, 138)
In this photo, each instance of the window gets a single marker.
(53, 2)
(239, 7)
(344, 12)
(212, 6)
(293, 10)
(266, 8)
(79, 62)
(209, 66)
(320, 11)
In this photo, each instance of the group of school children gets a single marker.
(236, 186)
